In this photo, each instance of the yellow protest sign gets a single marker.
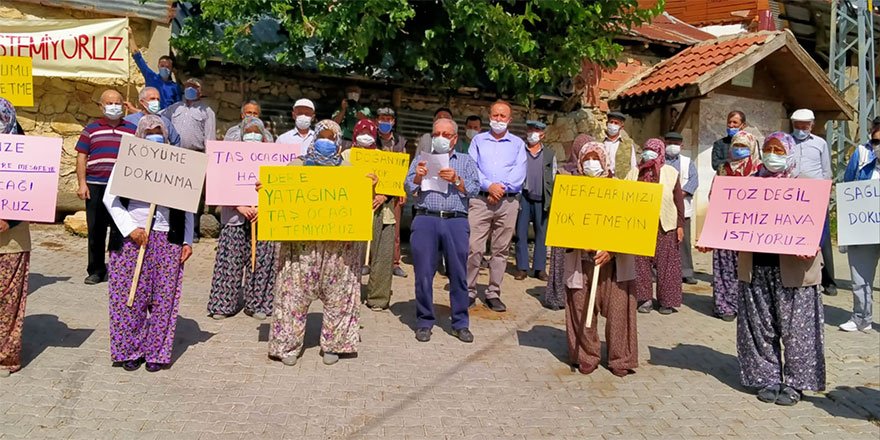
(17, 80)
(390, 168)
(303, 203)
(608, 214)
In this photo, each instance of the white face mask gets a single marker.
(441, 145)
(592, 168)
(533, 138)
(365, 140)
(153, 106)
(252, 137)
(303, 122)
(470, 133)
(648, 155)
(673, 150)
(113, 111)
(354, 96)
(612, 129)
(775, 162)
(498, 127)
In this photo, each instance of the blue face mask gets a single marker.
(165, 73)
(740, 153)
(325, 147)
(385, 127)
(732, 131)
(191, 94)
(800, 134)
(155, 138)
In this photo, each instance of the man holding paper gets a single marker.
(441, 223)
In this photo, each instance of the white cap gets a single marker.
(304, 103)
(803, 114)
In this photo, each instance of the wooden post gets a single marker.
(140, 260)
(591, 305)
(253, 247)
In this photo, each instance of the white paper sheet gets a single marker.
(435, 163)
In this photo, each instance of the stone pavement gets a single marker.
(513, 382)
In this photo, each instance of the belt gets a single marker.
(486, 194)
(441, 214)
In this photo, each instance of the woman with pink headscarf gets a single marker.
(667, 258)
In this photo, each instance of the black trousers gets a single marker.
(98, 220)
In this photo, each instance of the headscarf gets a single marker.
(8, 122)
(650, 171)
(592, 147)
(572, 165)
(783, 139)
(365, 126)
(312, 157)
(742, 167)
(149, 122)
(251, 121)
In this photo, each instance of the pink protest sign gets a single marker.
(234, 168)
(29, 177)
(775, 216)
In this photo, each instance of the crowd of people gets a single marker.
(499, 187)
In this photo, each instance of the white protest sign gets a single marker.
(858, 212)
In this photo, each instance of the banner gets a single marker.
(858, 212)
(390, 168)
(774, 216)
(158, 173)
(233, 169)
(69, 48)
(29, 177)
(299, 203)
(17, 81)
(604, 214)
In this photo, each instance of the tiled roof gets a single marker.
(668, 29)
(709, 12)
(688, 66)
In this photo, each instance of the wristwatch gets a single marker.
(457, 181)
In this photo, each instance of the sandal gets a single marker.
(769, 394)
(789, 396)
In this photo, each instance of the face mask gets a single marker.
(774, 162)
(732, 131)
(533, 138)
(365, 140)
(470, 133)
(612, 129)
(252, 137)
(191, 94)
(155, 138)
(800, 134)
(648, 155)
(385, 127)
(740, 153)
(325, 147)
(498, 126)
(441, 145)
(592, 168)
(673, 150)
(153, 106)
(164, 72)
(113, 111)
(303, 122)
(354, 96)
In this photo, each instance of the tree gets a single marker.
(521, 48)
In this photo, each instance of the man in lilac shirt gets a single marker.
(501, 165)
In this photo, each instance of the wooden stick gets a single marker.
(367, 259)
(253, 247)
(140, 260)
(591, 305)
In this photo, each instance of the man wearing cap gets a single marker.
(813, 161)
(301, 136)
(249, 108)
(534, 204)
(687, 174)
(196, 124)
(389, 140)
(620, 148)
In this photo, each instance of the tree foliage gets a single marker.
(517, 47)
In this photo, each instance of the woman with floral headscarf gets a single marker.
(235, 283)
(324, 270)
(614, 296)
(742, 161)
(667, 258)
(15, 255)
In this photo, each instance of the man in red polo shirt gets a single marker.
(96, 151)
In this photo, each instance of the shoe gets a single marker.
(646, 307)
(259, 316)
(365, 270)
(484, 264)
(520, 275)
(666, 310)
(851, 326)
(446, 287)
(330, 358)
(377, 308)
(496, 305)
(131, 365)
(830, 291)
(423, 334)
(689, 280)
(472, 302)
(399, 272)
(195, 240)
(4, 373)
(219, 316)
(728, 318)
(290, 360)
(769, 394)
(541, 275)
(789, 396)
(463, 335)
(554, 307)
(154, 367)
(586, 369)
(621, 372)
(93, 279)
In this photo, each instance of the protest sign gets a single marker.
(774, 216)
(604, 214)
(159, 173)
(17, 81)
(390, 168)
(302, 203)
(434, 163)
(858, 212)
(29, 177)
(234, 167)
(69, 48)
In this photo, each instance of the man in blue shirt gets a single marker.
(441, 225)
(148, 98)
(169, 90)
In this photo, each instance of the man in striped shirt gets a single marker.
(96, 153)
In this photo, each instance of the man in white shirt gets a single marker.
(301, 136)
